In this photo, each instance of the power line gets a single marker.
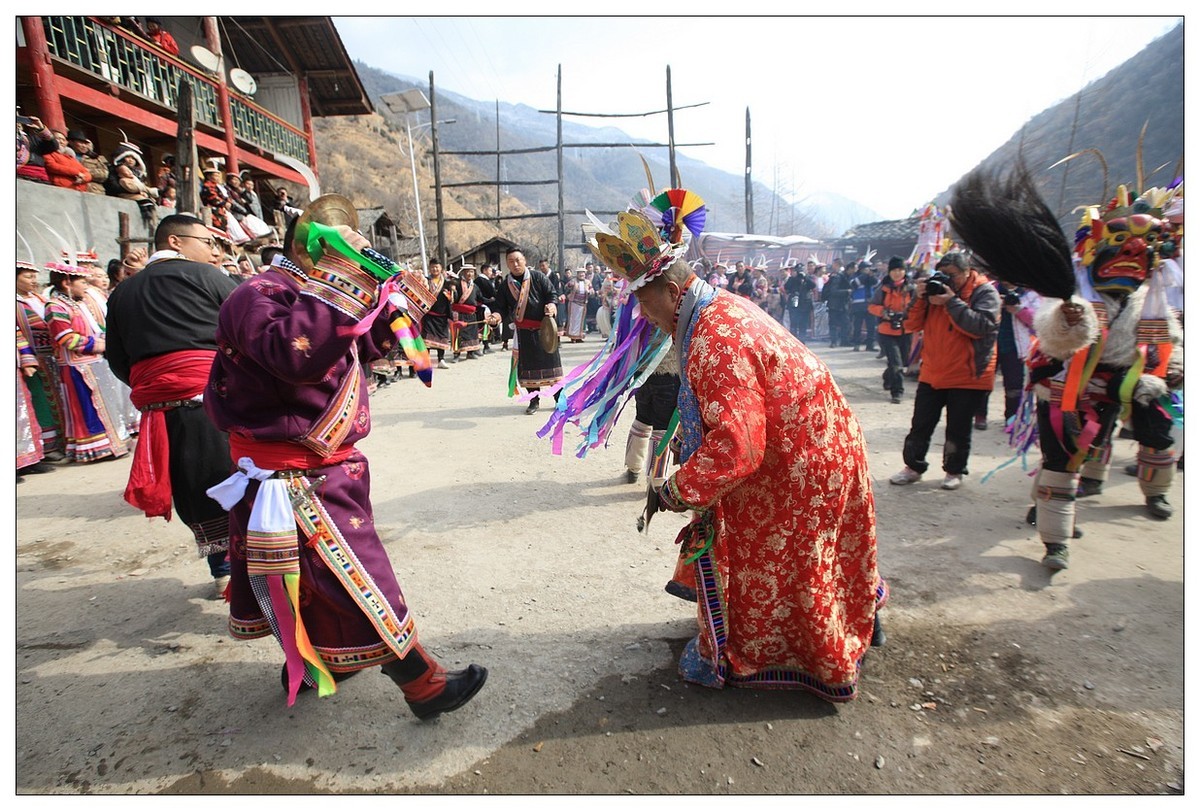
(490, 69)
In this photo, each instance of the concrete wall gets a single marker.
(82, 219)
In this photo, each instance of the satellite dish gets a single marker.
(206, 58)
(243, 81)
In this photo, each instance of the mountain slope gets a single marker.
(1112, 110)
(363, 157)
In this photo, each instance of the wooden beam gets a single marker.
(187, 178)
(281, 50)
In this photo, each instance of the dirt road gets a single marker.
(997, 677)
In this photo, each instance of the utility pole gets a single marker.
(562, 233)
(437, 176)
(674, 178)
(749, 190)
(497, 163)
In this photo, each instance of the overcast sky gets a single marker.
(887, 111)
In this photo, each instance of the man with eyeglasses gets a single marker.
(162, 326)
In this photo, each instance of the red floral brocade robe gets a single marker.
(789, 590)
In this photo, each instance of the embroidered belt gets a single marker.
(525, 323)
(291, 474)
(167, 405)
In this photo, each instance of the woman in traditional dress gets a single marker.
(608, 304)
(92, 396)
(577, 301)
(95, 302)
(465, 308)
(435, 326)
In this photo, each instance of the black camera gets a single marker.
(936, 284)
(1012, 299)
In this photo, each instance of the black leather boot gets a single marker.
(417, 671)
(461, 687)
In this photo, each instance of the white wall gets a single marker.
(85, 220)
(280, 94)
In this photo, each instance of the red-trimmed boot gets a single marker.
(429, 689)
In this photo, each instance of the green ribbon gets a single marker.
(319, 237)
(666, 437)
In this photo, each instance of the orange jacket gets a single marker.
(887, 298)
(959, 350)
(62, 169)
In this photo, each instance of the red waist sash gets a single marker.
(274, 455)
(174, 376)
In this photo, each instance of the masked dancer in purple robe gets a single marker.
(287, 385)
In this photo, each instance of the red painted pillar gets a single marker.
(213, 38)
(306, 121)
(49, 104)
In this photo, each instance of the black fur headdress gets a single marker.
(1006, 223)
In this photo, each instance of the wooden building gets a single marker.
(886, 238)
(257, 83)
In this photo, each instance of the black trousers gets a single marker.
(839, 326)
(1151, 427)
(861, 321)
(199, 460)
(656, 399)
(793, 320)
(960, 406)
(895, 349)
(1012, 372)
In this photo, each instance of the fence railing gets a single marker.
(254, 124)
(120, 58)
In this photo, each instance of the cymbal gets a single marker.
(328, 209)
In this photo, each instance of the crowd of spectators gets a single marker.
(69, 159)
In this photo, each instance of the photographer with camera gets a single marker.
(1012, 347)
(798, 290)
(959, 313)
(862, 288)
(890, 304)
(34, 140)
(836, 295)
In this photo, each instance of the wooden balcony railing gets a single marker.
(124, 60)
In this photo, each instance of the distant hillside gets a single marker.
(355, 153)
(359, 157)
(1148, 87)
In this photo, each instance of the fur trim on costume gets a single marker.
(1148, 389)
(1124, 313)
(669, 363)
(1058, 340)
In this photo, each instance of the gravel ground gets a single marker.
(997, 678)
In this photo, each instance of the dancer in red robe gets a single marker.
(773, 463)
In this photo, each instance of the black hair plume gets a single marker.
(1005, 222)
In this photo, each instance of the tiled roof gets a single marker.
(885, 229)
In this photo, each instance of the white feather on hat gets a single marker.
(127, 149)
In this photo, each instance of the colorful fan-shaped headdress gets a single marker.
(647, 238)
(643, 242)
